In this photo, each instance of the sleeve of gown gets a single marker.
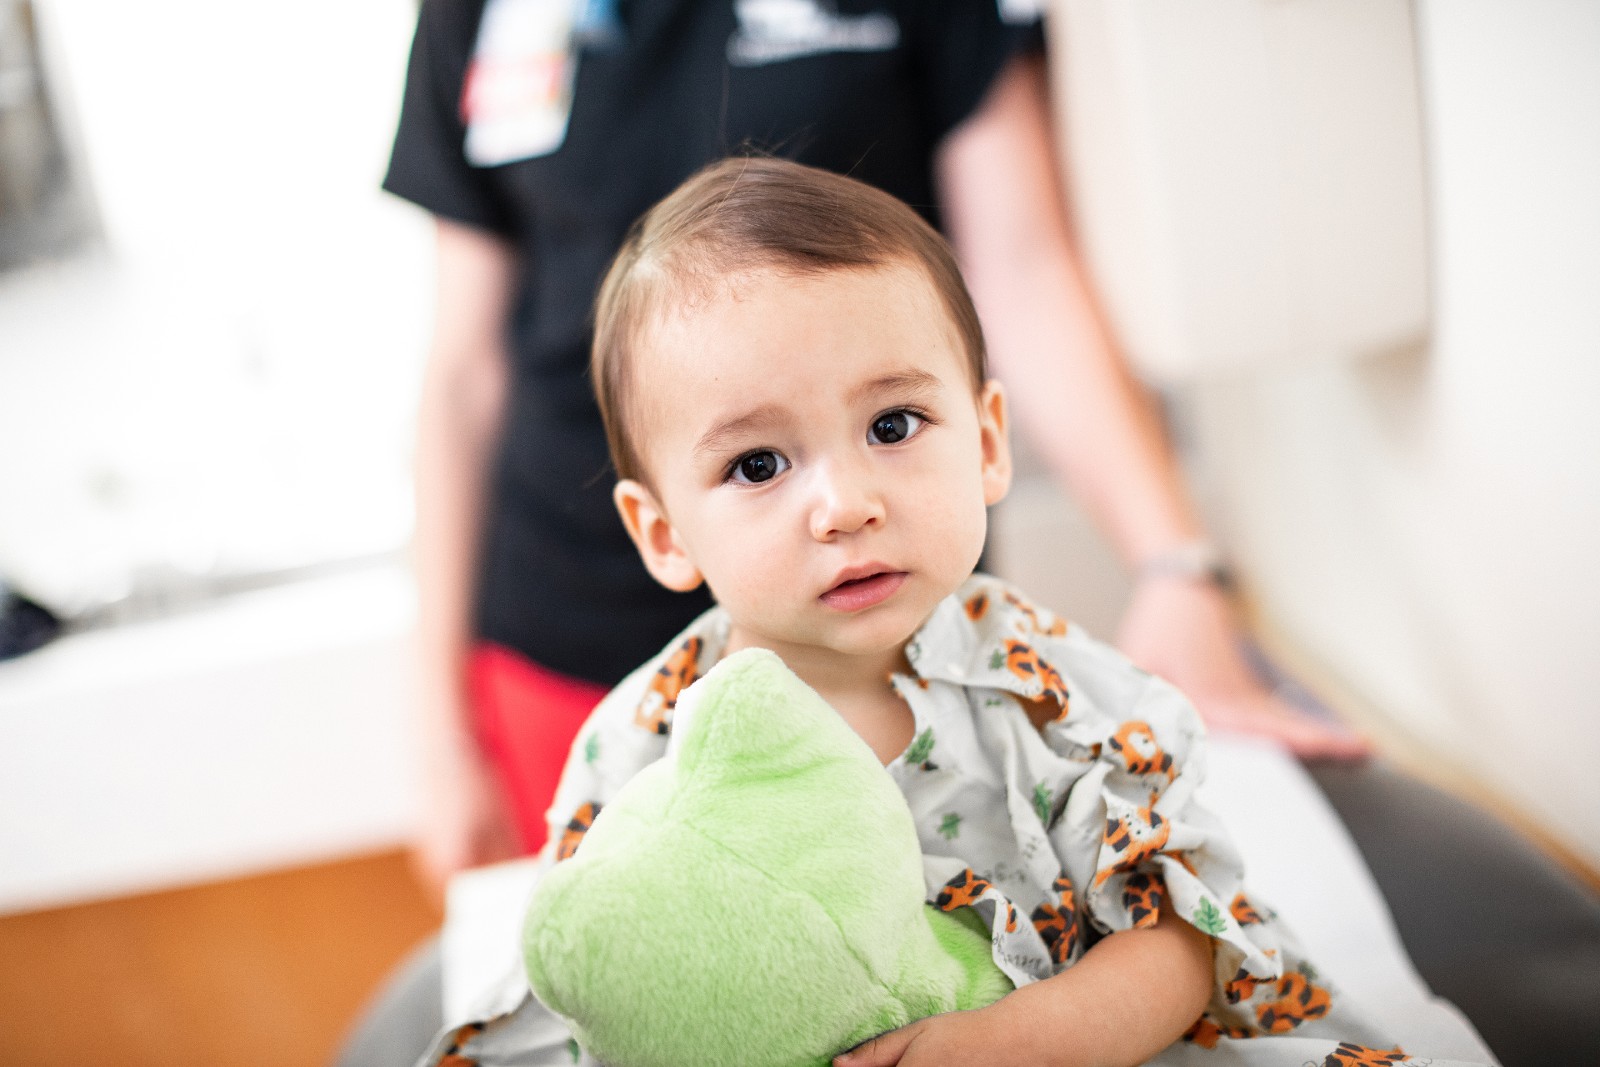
(1158, 845)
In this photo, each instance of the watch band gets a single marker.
(1194, 561)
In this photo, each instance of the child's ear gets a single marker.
(996, 442)
(664, 554)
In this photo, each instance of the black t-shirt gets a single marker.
(872, 94)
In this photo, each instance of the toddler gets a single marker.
(792, 378)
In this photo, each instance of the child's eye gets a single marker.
(754, 467)
(893, 427)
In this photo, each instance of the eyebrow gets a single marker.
(718, 437)
(909, 380)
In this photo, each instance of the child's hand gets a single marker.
(938, 1041)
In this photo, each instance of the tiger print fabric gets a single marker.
(1051, 782)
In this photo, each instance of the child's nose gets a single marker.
(846, 501)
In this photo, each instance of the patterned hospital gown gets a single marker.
(1056, 835)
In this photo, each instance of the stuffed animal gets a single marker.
(754, 898)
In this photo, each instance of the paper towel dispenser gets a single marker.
(1246, 177)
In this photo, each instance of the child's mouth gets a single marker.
(856, 594)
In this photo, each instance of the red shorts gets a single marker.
(526, 717)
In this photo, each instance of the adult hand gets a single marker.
(1186, 632)
(465, 819)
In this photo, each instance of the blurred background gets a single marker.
(1363, 269)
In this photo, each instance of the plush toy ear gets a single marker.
(996, 442)
(751, 719)
(663, 552)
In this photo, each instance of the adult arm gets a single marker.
(465, 818)
(1087, 415)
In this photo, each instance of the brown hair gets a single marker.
(746, 214)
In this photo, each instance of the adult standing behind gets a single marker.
(536, 140)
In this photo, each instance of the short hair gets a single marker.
(745, 214)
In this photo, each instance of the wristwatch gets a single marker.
(1194, 561)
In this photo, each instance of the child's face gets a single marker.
(818, 455)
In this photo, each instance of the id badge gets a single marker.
(518, 90)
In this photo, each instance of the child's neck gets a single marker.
(856, 686)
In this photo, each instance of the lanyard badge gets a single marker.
(518, 91)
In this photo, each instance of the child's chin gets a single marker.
(878, 631)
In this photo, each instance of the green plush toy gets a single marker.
(754, 898)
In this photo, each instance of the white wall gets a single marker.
(229, 384)
(1425, 525)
